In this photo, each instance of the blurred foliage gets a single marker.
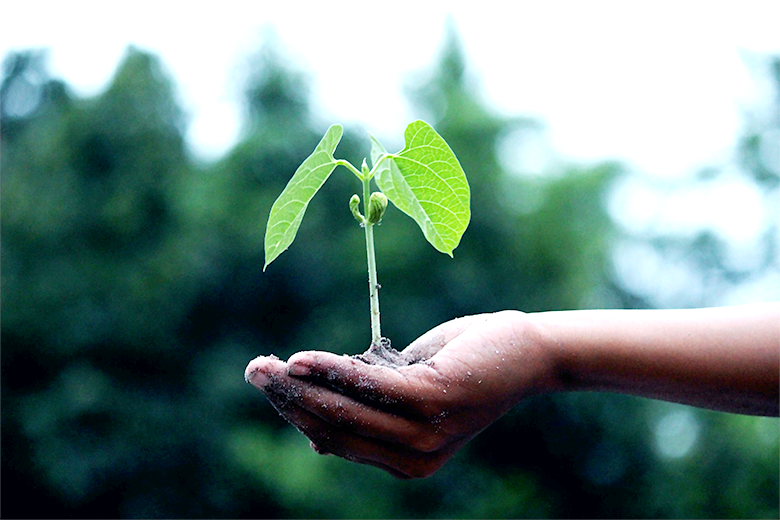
(134, 297)
(734, 259)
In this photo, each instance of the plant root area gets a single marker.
(383, 354)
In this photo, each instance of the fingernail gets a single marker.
(255, 376)
(298, 370)
(258, 379)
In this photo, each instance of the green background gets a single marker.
(133, 297)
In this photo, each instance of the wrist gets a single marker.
(535, 354)
(549, 333)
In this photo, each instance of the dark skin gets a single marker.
(409, 421)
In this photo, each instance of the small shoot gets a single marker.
(424, 180)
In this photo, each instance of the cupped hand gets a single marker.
(410, 420)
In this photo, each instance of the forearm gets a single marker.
(724, 358)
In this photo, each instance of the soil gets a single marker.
(383, 354)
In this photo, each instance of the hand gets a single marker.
(409, 421)
(470, 371)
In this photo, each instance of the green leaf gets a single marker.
(287, 212)
(426, 181)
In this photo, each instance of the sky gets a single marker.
(605, 77)
(662, 86)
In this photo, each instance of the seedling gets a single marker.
(424, 180)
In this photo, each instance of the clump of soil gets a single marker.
(383, 354)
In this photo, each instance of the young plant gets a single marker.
(424, 180)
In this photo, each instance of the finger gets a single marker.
(399, 391)
(396, 459)
(392, 452)
(380, 385)
(424, 434)
(263, 369)
(269, 375)
(430, 343)
(325, 437)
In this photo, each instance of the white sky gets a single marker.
(659, 84)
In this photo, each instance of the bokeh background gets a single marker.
(132, 224)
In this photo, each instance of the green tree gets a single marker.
(98, 276)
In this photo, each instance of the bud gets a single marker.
(354, 207)
(377, 204)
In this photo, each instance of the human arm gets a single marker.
(411, 420)
(724, 358)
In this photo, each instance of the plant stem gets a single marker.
(348, 166)
(373, 285)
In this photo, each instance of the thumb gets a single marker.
(430, 343)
